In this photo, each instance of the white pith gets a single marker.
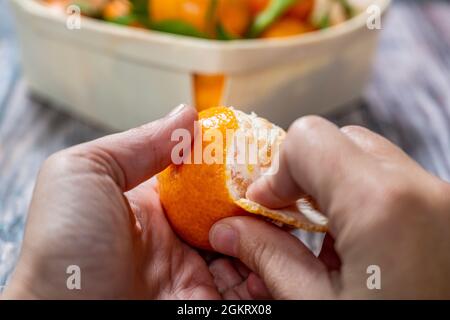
(302, 214)
(267, 138)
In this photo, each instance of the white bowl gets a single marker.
(122, 77)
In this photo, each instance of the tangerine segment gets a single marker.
(195, 196)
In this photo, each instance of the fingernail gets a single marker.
(224, 239)
(177, 110)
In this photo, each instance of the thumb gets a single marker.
(287, 267)
(134, 156)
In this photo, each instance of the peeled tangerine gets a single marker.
(235, 150)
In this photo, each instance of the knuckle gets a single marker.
(145, 136)
(263, 255)
(308, 124)
(58, 162)
(443, 194)
(254, 248)
(445, 191)
(259, 253)
(148, 131)
(392, 195)
(353, 129)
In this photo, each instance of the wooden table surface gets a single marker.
(407, 101)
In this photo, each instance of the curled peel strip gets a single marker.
(303, 215)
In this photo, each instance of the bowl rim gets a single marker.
(352, 25)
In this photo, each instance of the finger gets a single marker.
(251, 288)
(156, 231)
(243, 270)
(136, 155)
(231, 284)
(316, 158)
(328, 254)
(275, 255)
(257, 288)
(141, 204)
(225, 274)
(373, 143)
(238, 292)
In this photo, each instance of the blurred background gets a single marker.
(407, 100)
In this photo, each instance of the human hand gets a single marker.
(91, 208)
(383, 208)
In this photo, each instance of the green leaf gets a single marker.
(123, 20)
(87, 8)
(141, 12)
(178, 27)
(349, 11)
(140, 6)
(324, 22)
(275, 9)
(211, 14)
(222, 34)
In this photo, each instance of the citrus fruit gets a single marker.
(287, 27)
(194, 12)
(300, 10)
(256, 6)
(87, 7)
(196, 194)
(115, 9)
(234, 16)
